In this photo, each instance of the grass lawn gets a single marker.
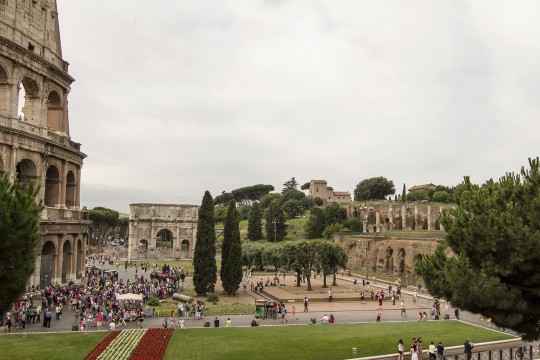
(220, 308)
(49, 346)
(318, 341)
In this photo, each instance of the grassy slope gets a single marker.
(317, 342)
(49, 346)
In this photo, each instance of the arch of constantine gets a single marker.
(35, 144)
(162, 231)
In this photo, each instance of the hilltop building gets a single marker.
(320, 188)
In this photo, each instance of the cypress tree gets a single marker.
(425, 224)
(204, 259)
(403, 194)
(255, 222)
(231, 253)
(19, 238)
(413, 226)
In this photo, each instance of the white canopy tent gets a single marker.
(129, 296)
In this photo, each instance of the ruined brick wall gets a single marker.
(391, 255)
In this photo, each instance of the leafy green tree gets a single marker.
(292, 184)
(243, 212)
(413, 226)
(293, 208)
(231, 252)
(494, 234)
(267, 200)
(252, 255)
(329, 230)
(330, 257)
(318, 201)
(305, 186)
(204, 258)
(334, 214)
(276, 229)
(122, 226)
(19, 239)
(273, 255)
(103, 221)
(220, 214)
(441, 196)
(354, 224)
(248, 194)
(301, 256)
(255, 223)
(223, 199)
(376, 188)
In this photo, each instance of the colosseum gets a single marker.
(35, 144)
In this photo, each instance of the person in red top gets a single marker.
(331, 320)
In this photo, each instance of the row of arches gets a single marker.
(26, 171)
(29, 102)
(391, 263)
(62, 264)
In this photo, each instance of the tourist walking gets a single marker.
(432, 351)
(402, 307)
(306, 304)
(400, 349)
(378, 315)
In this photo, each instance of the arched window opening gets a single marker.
(184, 249)
(164, 239)
(47, 264)
(26, 171)
(71, 186)
(52, 186)
(54, 111)
(29, 101)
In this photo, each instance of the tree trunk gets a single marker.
(324, 280)
(309, 283)
(334, 281)
(298, 278)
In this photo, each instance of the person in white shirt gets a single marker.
(325, 319)
(432, 351)
(112, 326)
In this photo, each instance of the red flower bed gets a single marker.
(152, 345)
(101, 346)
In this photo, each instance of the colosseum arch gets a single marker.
(66, 261)
(26, 171)
(71, 190)
(55, 111)
(52, 186)
(48, 267)
(29, 100)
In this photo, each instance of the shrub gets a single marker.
(153, 302)
(213, 298)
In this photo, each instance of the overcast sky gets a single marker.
(173, 98)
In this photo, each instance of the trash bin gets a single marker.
(313, 321)
(446, 317)
(75, 328)
(207, 324)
